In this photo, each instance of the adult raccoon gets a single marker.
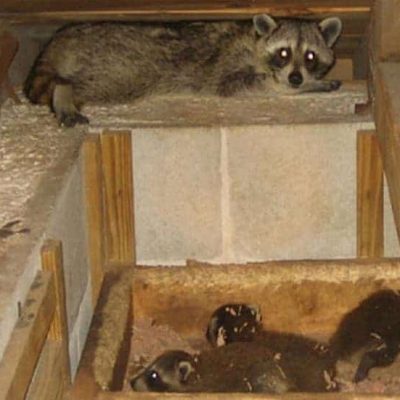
(114, 62)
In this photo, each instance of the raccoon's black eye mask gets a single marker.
(310, 60)
(155, 382)
(280, 58)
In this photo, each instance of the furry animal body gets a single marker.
(238, 367)
(370, 333)
(115, 62)
(309, 364)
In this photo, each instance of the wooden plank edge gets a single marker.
(116, 149)
(93, 198)
(27, 340)
(370, 232)
(242, 396)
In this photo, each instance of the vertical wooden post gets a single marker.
(27, 340)
(118, 191)
(93, 189)
(385, 30)
(370, 237)
(52, 261)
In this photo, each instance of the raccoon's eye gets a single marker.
(310, 59)
(284, 53)
(153, 377)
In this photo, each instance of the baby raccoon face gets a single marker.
(233, 323)
(297, 52)
(173, 371)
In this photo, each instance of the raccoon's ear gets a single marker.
(185, 368)
(331, 28)
(264, 24)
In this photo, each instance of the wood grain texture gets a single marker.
(52, 261)
(386, 29)
(28, 337)
(116, 150)
(49, 380)
(242, 396)
(8, 49)
(157, 7)
(93, 187)
(185, 297)
(384, 86)
(370, 232)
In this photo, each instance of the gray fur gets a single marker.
(119, 62)
(239, 367)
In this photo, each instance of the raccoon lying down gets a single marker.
(309, 363)
(115, 61)
(239, 367)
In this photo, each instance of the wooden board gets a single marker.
(104, 8)
(49, 380)
(306, 297)
(370, 238)
(28, 337)
(243, 396)
(117, 163)
(93, 187)
(386, 30)
(385, 87)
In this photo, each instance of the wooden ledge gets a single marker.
(246, 109)
(75, 9)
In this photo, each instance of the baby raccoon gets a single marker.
(239, 367)
(309, 364)
(370, 333)
(113, 62)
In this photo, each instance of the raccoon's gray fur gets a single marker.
(113, 62)
(238, 367)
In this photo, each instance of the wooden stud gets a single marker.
(52, 261)
(8, 49)
(243, 396)
(93, 187)
(118, 191)
(386, 29)
(28, 337)
(370, 235)
(48, 382)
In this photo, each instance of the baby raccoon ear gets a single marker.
(264, 24)
(331, 28)
(185, 368)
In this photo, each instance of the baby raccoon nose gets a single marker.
(295, 78)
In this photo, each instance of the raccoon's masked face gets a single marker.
(296, 52)
(173, 371)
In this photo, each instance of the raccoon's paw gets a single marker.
(335, 85)
(70, 120)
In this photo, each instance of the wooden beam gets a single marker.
(386, 30)
(243, 396)
(370, 236)
(384, 86)
(116, 150)
(52, 261)
(179, 7)
(28, 337)
(8, 49)
(185, 297)
(93, 187)
(49, 379)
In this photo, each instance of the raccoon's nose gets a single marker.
(295, 78)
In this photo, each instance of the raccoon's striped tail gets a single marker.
(40, 83)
